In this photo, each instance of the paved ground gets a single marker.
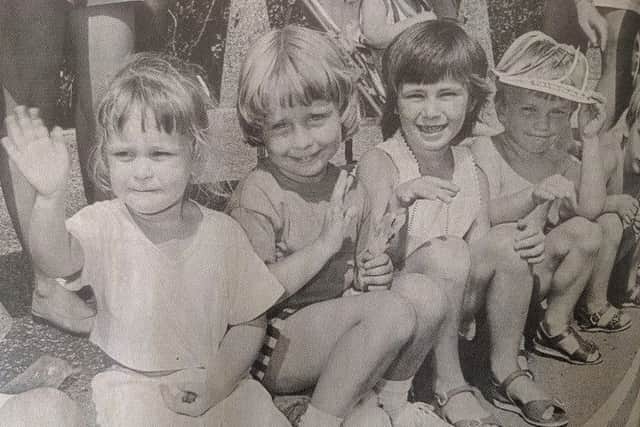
(597, 396)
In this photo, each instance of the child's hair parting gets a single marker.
(294, 66)
(427, 53)
(164, 89)
(537, 62)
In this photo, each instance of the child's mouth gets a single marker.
(431, 129)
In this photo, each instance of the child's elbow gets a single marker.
(375, 39)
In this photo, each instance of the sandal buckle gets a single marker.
(441, 399)
(594, 318)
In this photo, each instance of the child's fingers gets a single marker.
(377, 261)
(14, 132)
(536, 260)
(10, 145)
(34, 113)
(56, 135)
(380, 270)
(382, 280)
(528, 242)
(25, 123)
(533, 252)
(170, 395)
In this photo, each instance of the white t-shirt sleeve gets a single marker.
(252, 287)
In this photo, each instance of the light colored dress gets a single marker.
(157, 313)
(432, 218)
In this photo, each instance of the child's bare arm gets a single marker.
(44, 161)
(589, 178)
(297, 269)
(226, 369)
(482, 224)
(375, 28)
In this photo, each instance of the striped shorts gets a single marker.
(259, 367)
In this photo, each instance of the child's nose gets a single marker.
(542, 122)
(431, 109)
(302, 138)
(143, 168)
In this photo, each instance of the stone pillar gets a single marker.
(248, 20)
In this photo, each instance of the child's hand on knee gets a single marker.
(529, 242)
(189, 398)
(41, 157)
(373, 271)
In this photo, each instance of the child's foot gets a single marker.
(63, 309)
(460, 406)
(606, 319)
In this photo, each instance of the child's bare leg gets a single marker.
(595, 294)
(446, 262)
(343, 345)
(32, 35)
(430, 304)
(508, 284)
(572, 247)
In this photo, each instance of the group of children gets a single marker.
(330, 283)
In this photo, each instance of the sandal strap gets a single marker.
(443, 398)
(569, 341)
(607, 315)
(504, 385)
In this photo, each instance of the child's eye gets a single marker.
(318, 118)
(161, 154)
(528, 109)
(123, 155)
(559, 113)
(279, 127)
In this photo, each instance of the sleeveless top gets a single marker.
(431, 218)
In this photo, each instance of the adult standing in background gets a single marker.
(612, 26)
(32, 35)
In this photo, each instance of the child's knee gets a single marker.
(429, 301)
(611, 230)
(584, 235)
(393, 321)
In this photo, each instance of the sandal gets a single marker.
(567, 346)
(441, 400)
(532, 412)
(632, 298)
(608, 319)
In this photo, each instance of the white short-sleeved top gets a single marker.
(157, 313)
(432, 218)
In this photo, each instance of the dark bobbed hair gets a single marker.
(427, 53)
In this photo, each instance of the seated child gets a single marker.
(296, 98)
(540, 83)
(436, 82)
(40, 407)
(622, 147)
(180, 293)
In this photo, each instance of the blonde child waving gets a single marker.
(297, 99)
(435, 75)
(179, 291)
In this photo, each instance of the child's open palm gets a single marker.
(41, 157)
(338, 217)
